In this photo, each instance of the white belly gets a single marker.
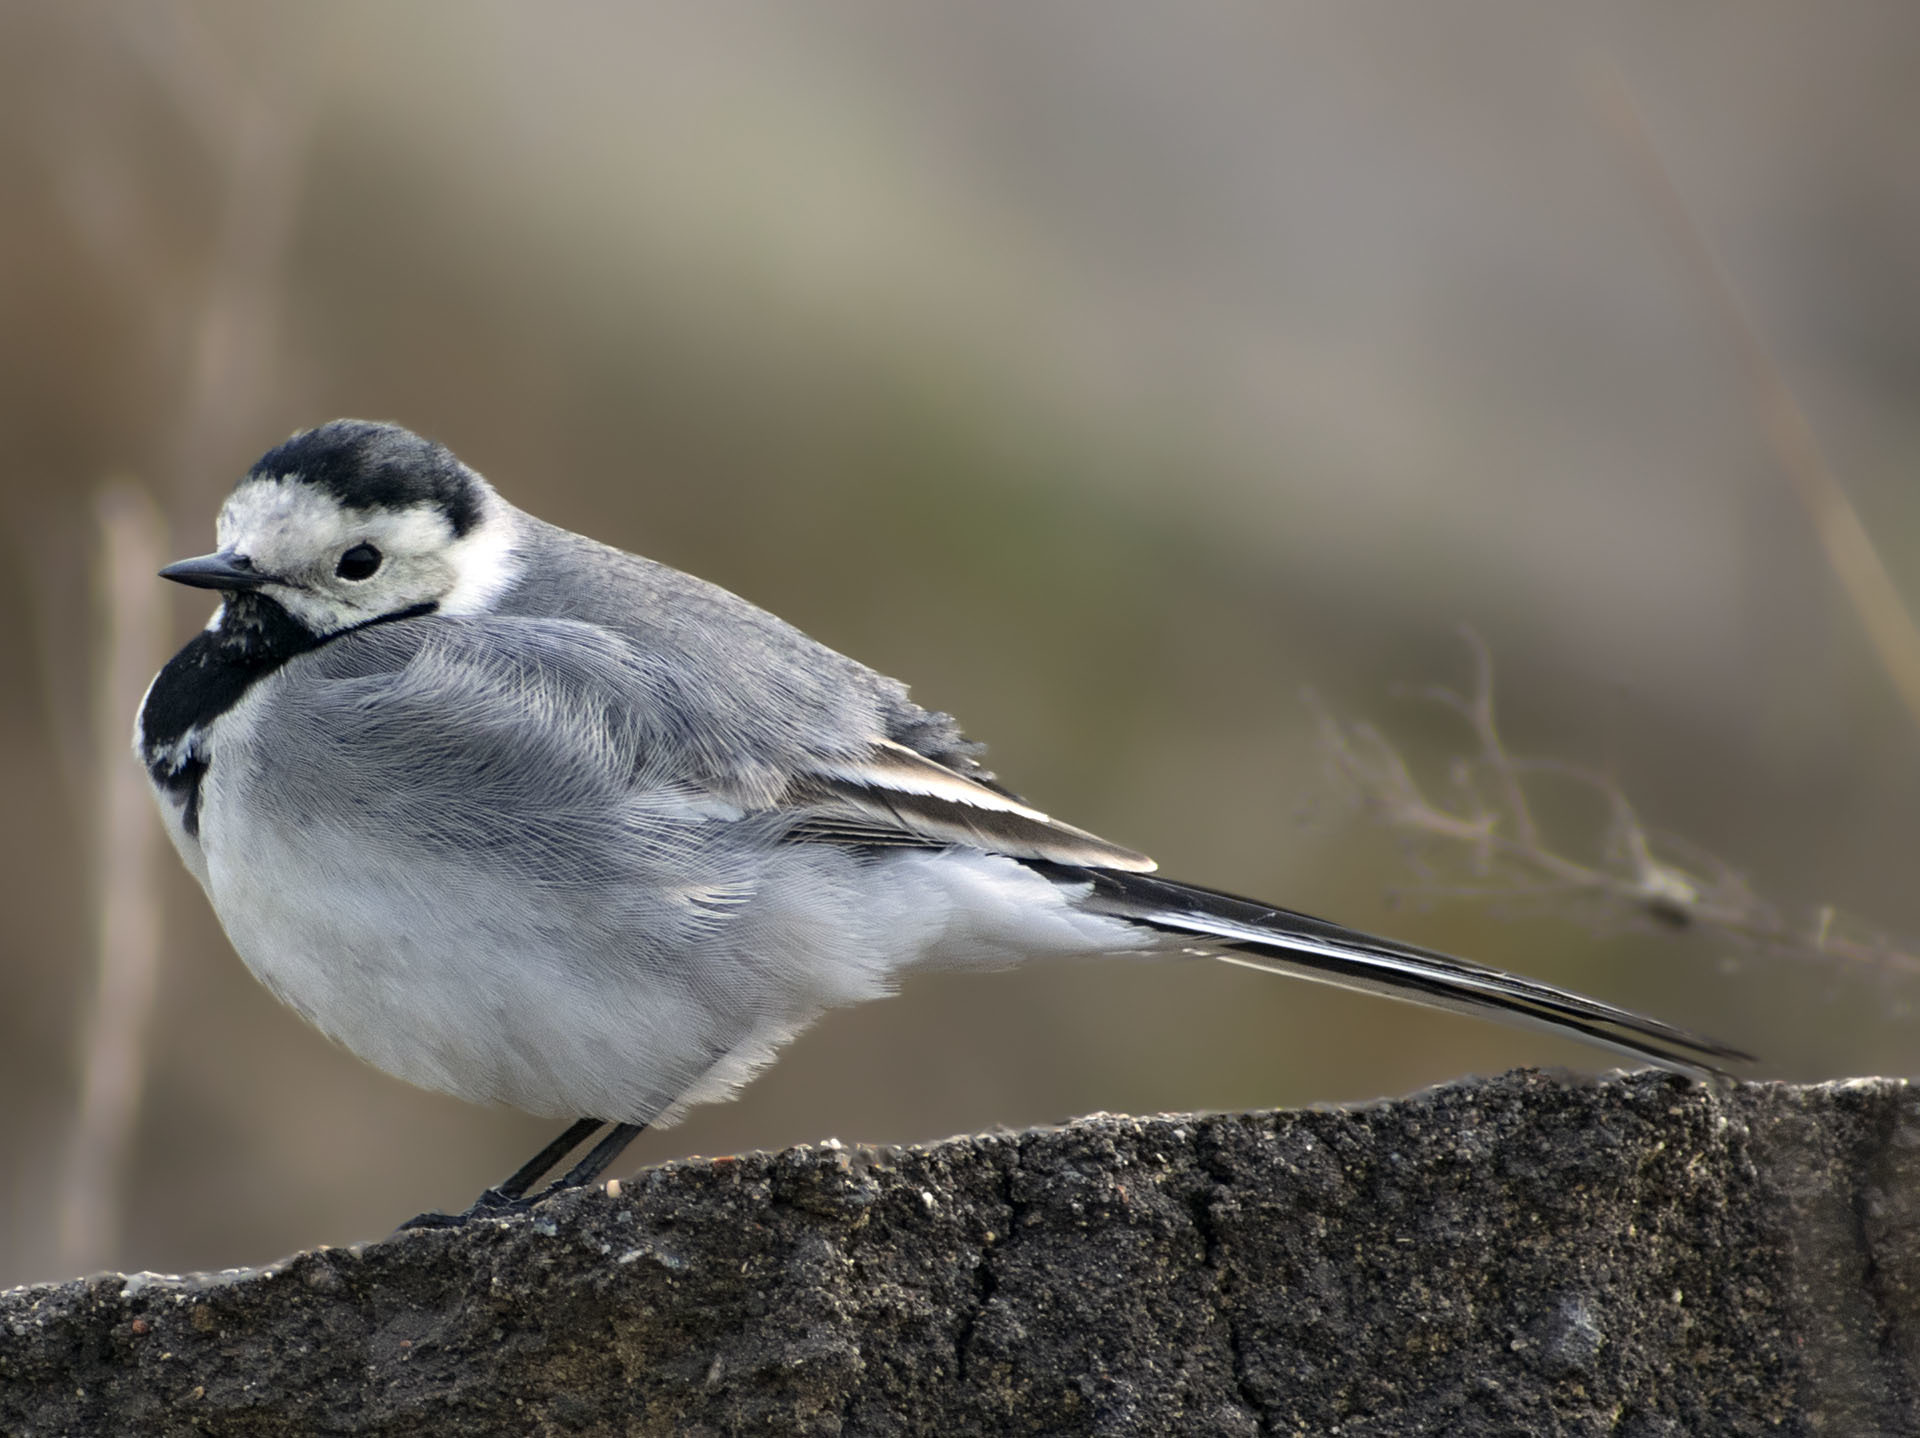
(572, 1002)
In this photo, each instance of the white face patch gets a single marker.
(298, 533)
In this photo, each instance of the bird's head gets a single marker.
(355, 521)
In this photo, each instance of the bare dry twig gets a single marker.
(1491, 830)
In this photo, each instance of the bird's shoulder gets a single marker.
(755, 658)
(541, 691)
(652, 705)
(853, 758)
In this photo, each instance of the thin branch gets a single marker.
(1477, 710)
(1508, 856)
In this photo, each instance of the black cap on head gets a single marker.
(366, 465)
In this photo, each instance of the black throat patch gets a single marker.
(209, 676)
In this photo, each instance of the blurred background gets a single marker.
(1110, 371)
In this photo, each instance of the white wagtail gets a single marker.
(528, 820)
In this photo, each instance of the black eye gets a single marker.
(358, 562)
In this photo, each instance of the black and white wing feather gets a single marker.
(1281, 941)
(894, 796)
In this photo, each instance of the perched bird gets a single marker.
(522, 818)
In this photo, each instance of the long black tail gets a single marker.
(1240, 931)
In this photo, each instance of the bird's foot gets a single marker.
(490, 1204)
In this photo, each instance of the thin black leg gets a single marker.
(525, 1176)
(598, 1157)
(511, 1193)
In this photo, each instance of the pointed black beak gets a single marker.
(224, 570)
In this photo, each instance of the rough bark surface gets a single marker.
(1531, 1255)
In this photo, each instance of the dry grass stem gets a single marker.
(132, 639)
(1849, 548)
(255, 128)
